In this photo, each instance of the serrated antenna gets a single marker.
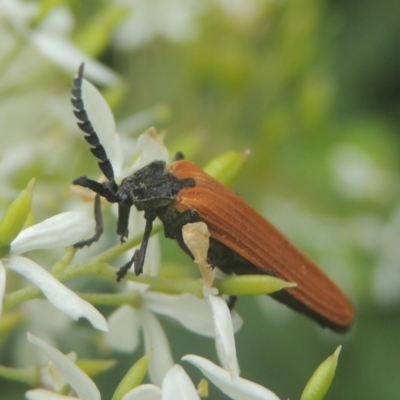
(86, 127)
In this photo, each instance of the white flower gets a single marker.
(197, 315)
(18, 13)
(385, 280)
(50, 37)
(148, 146)
(176, 385)
(59, 231)
(173, 19)
(238, 388)
(84, 387)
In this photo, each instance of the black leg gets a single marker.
(138, 257)
(231, 302)
(99, 225)
(122, 223)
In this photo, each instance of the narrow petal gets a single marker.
(2, 286)
(123, 329)
(78, 380)
(224, 335)
(155, 339)
(153, 257)
(102, 119)
(59, 231)
(193, 313)
(150, 148)
(58, 294)
(42, 394)
(63, 53)
(237, 389)
(144, 392)
(178, 386)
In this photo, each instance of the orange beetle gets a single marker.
(241, 240)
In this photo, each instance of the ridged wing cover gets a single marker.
(234, 223)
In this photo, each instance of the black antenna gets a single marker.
(87, 128)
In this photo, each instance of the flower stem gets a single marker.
(29, 376)
(110, 299)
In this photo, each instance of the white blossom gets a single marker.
(84, 387)
(197, 315)
(59, 231)
(172, 19)
(237, 388)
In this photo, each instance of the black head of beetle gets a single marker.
(151, 189)
(148, 188)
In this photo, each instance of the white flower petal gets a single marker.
(175, 20)
(18, 13)
(141, 288)
(103, 122)
(79, 381)
(193, 313)
(237, 389)
(63, 53)
(178, 386)
(42, 394)
(59, 21)
(150, 148)
(2, 286)
(224, 335)
(58, 294)
(123, 329)
(155, 339)
(144, 392)
(153, 257)
(59, 231)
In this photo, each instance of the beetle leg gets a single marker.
(231, 302)
(99, 225)
(139, 255)
(122, 223)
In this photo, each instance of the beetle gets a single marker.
(241, 240)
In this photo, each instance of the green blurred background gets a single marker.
(312, 88)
